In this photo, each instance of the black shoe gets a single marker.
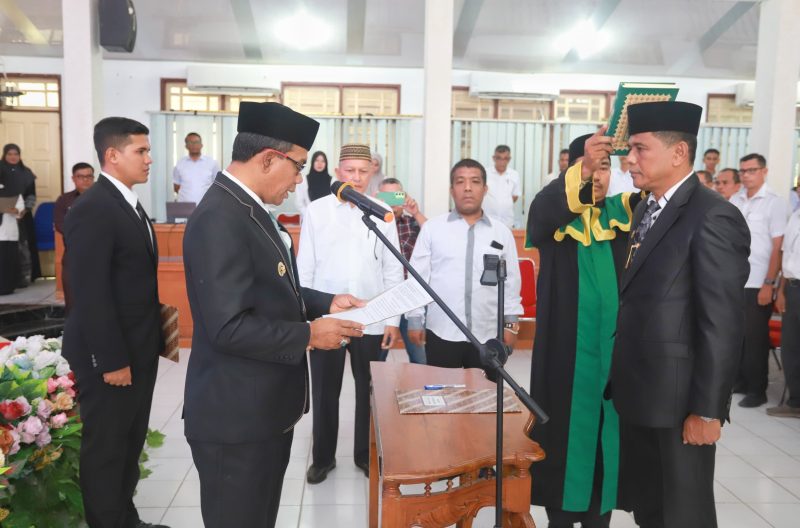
(143, 524)
(739, 388)
(753, 400)
(316, 474)
(363, 466)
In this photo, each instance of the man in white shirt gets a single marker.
(440, 259)
(727, 183)
(563, 164)
(710, 161)
(504, 188)
(338, 253)
(621, 180)
(788, 304)
(194, 173)
(765, 213)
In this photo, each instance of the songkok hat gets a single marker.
(664, 116)
(576, 148)
(278, 122)
(355, 151)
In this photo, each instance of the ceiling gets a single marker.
(698, 38)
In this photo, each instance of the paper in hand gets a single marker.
(395, 301)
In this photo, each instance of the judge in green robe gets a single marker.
(582, 236)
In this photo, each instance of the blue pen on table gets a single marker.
(445, 386)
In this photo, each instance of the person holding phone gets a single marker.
(409, 221)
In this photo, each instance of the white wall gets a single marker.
(133, 88)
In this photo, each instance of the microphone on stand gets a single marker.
(346, 193)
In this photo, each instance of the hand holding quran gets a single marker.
(596, 149)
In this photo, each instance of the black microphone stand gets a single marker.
(493, 355)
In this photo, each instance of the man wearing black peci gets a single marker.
(247, 382)
(679, 330)
(112, 336)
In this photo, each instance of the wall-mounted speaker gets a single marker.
(117, 25)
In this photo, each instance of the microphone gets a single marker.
(346, 193)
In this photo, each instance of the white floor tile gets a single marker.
(721, 494)
(788, 443)
(779, 515)
(288, 517)
(340, 515)
(749, 445)
(188, 495)
(292, 492)
(757, 490)
(173, 447)
(791, 484)
(151, 515)
(774, 466)
(155, 493)
(739, 516)
(734, 466)
(183, 518)
(336, 491)
(168, 468)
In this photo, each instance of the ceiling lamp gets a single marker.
(303, 30)
(584, 38)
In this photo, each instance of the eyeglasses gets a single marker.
(751, 170)
(297, 165)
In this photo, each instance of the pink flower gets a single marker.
(29, 429)
(71, 393)
(15, 446)
(44, 409)
(64, 382)
(57, 421)
(26, 407)
(63, 402)
(52, 385)
(43, 438)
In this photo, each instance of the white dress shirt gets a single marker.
(194, 177)
(791, 247)
(129, 196)
(499, 200)
(664, 200)
(449, 255)
(301, 198)
(9, 229)
(620, 182)
(287, 239)
(338, 254)
(765, 214)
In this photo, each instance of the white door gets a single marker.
(38, 135)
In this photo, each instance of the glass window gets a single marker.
(38, 93)
(315, 100)
(522, 110)
(366, 100)
(581, 107)
(723, 109)
(466, 107)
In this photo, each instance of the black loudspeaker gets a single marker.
(117, 25)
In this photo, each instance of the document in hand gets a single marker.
(395, 301)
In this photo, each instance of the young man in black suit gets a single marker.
(113, 334)
(679, 330)
(247, 383)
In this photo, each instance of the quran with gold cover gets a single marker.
(630, 93)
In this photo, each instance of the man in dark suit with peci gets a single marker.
(679, 329)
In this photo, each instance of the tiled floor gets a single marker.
(758, 468)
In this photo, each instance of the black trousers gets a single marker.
(240, 484)
(327, 369)
(114, 429)
(755, 352)
(667, 484)
(9, 267)
(790, 342)
(450, 354)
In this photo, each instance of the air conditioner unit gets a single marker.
(499, 86)
(232, 80)
(746, 94)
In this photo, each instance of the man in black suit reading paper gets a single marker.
(679, 329)
(112, 336)
(247, 384)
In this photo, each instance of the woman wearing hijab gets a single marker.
(19, 179)
(377, 175)
(9, 231)
(317, 184)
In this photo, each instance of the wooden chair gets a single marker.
(289, 218)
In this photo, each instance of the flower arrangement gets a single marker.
(39, 436)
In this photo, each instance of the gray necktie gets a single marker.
(646, 223)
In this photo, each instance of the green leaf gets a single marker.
(34, 388)
(18, 373)
(6, 388)
(47, 373)
(155, 438)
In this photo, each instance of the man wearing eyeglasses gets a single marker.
(339, 253)
(765, 213)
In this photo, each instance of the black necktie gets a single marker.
(646, 223)
(143, 218)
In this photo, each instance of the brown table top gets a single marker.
(414, 446)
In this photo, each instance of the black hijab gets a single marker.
(16, 178)
(319, 183)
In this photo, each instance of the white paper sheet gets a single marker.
(393, 302)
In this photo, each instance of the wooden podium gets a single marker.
(452, 448)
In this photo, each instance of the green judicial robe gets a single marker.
(582, 248)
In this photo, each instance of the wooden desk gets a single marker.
(426, 448)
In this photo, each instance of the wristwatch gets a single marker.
(512, 327)
(771, 282)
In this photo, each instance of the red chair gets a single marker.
(774, 344)
(289, 219)
(527, 270)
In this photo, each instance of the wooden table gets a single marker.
(428, 448)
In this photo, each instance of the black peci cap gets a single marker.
(278, 122)
(576, 148)
(664, 116)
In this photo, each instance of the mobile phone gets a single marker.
(392, 199)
